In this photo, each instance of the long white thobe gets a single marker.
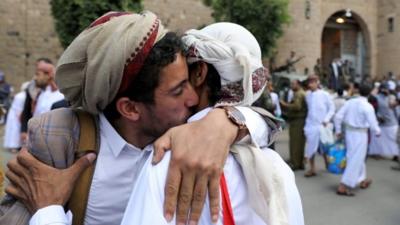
(12, 138)
(148, 194)
(320, 110)
(358, 115)
(46, 99)
(118, 165)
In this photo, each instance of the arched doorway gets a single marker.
(345, 36)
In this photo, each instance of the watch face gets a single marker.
(236, 116)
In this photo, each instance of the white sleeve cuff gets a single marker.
(256, 125)
(51, 215)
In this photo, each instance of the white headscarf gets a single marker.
(235, 54)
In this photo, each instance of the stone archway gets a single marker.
(345, 35)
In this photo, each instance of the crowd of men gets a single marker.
(365, 115)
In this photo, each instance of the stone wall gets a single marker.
(388, 42)
(27, 31)
(26, 34)
(180, 15)
(304, 35)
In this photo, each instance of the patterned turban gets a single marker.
(235, 54)
(105, 58)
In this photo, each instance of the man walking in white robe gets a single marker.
(320, 111)
(358, 116)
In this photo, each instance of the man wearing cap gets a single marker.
(320, 111)
(138, 93)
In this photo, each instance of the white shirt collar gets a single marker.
(115, 142)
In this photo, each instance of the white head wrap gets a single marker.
(235, 54)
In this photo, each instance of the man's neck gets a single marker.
(202, 92)
(130, 133)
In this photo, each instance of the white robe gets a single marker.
(358, 115)
(356, 145)
(12, 138)
(149, 195)
(320, 109)
(386, 144)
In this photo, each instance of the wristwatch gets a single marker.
(235, 116)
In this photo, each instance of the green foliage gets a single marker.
(264, 18)
(73, 16)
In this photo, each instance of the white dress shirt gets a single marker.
(117, 166)
(46, 99)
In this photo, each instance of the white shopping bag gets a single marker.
(326, 134)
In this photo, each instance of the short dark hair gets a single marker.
(213, 81)
(365, 89)
(339, 92)
(46, 60)
(142, 88)
(356, 85)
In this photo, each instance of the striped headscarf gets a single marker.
(105, 58)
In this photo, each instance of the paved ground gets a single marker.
(378, 205)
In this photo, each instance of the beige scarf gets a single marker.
(104, 58)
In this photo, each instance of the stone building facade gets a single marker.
(27, 32)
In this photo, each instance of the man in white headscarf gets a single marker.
(257, 186)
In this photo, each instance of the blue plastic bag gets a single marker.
(336, 154)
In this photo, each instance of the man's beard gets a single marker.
(157, 129)
(41, 85)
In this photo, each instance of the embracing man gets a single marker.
(126, 69)
(257, 186)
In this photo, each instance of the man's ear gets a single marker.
(128, 109)
(199, 74)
